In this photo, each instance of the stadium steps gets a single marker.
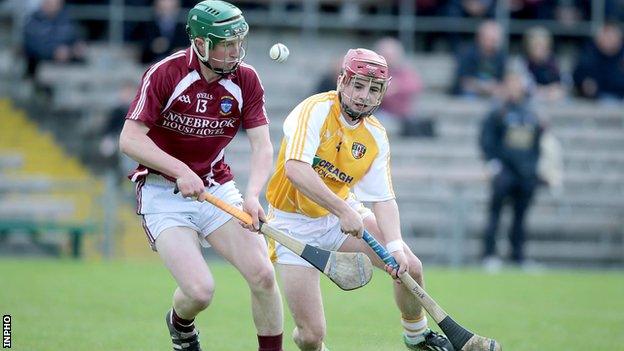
(44, 183)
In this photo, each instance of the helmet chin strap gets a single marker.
(355, 116)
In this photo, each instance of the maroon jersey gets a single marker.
(193, 120)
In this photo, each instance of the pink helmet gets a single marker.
(365, 66)
(366, 63)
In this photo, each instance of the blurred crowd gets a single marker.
(597, 71)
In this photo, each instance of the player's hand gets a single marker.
(401, 259)
(190, 185)
(252, 206)
(351, 223)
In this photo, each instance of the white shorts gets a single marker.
(323, 232)
(161, 208)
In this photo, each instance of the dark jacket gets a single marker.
(606, 71)
(43, 35)
(511, 134)
(471, 63)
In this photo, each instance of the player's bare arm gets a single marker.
(135, 143)
(261, 166)
(308, 182)
(389, 223)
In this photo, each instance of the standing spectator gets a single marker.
(165, 33)
(542, 64)
(50, 35)
(599, 73)
(480, 68)
(398, 103)
(510, 139)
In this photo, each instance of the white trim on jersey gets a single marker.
(302, 129)
(138, 174)
(234, 90)
(219, 157)
(243, 64)
(183, 84)
(376, 185)
(146, 82)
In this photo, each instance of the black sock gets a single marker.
(181, 324)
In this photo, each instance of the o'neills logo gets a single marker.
(196, 126)
(358, 150)
(327, 169)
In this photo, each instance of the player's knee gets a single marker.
(201, 293)
(262, 278)
(415, 267)
(310, 338)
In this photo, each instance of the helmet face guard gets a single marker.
(227, 53)
(224, 30)
(362, 83)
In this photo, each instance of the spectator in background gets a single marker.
(510, 140)
(599, 73)
(472, 8)
(532, 9)
(542, 65)
(480, 68)
(165, 33)
(50, 35)
(403, 91)
(112, 126)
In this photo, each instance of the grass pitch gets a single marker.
(66, 305)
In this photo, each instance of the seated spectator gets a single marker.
(480, 68)
(50, 35)
(403, 91)
(542, 65)
(472, 8)
(165, 34)
(431, 7)
(532, 9)
(599, 73)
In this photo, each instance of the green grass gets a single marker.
(65, 305)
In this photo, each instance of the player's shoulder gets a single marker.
(247, 71)
(325, 98)
(171, 66)
(376, 129)
(179, 59)
(375, 124)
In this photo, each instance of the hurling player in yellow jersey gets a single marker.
(334, 156)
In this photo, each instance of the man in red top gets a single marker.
(187, 109)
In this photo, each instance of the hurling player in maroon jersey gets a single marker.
(187, 109)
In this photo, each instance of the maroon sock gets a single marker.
(181, 324)
(270, 342)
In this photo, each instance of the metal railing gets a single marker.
(310, 18)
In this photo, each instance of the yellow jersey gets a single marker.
(347, 158)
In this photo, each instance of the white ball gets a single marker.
(279, 52)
